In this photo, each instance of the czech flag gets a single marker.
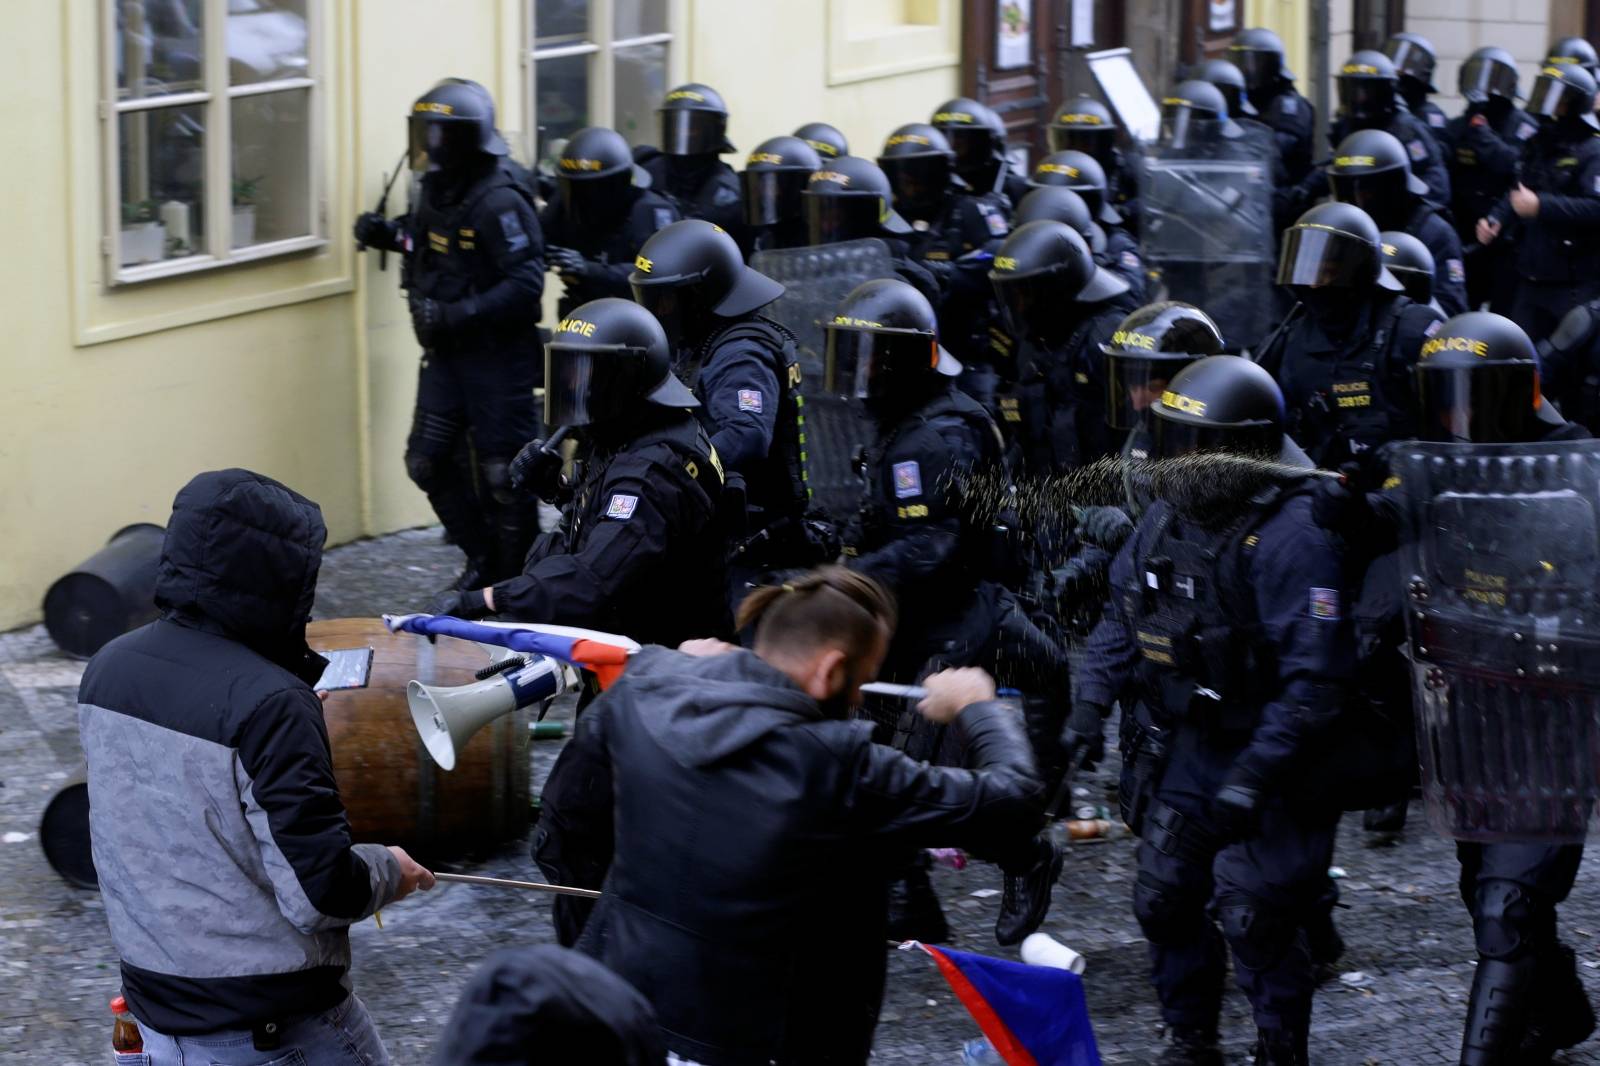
(603, 654)
(1033, 1015)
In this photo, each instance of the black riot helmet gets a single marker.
(1052, 203)
(774, 177)
(1478, 382)
(605, 361)
(1409, 260)
(1042, 275)
(1081, 173)
(1367, 84)
(1414, 59)
(694, 121)
(848, 199)
(1564, 94)
(824, 139)
(1147, 350)
(1259, 54)
(1489, 72)
(917, 160)
(1573, 51)
(1084, 124)
(1195, 112)
(883, 346)
(451, 124)
(976, 133)
(1229, 81)
(1222, 403)
(1334, 245)
(1372, 170)
(594, 171)
(689, 273)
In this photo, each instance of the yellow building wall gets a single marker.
(1290, 20)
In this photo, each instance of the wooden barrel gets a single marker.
(394, 793)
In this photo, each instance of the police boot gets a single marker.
(1559, 1015)
(1383, 825)
(1324, 943)
(1281, 1047)
(1027, 895)
(1496, 1012)
(914, 911)
(1191, 1046)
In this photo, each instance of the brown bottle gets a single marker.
(125, 1035)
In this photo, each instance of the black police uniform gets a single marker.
(1449, 266)
(1293, 121)
(611, 249)
(966, 222)
(1060, 395)
(638, 551)
(1483, 157)
(1427, 160)
(704, 188)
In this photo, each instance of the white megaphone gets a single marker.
(446, 718)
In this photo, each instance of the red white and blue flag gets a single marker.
(603, 654)
(1032, 1015)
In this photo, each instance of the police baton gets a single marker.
(383, 208)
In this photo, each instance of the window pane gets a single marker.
(266, 40)
(561, 96)
(641, 74)
(558, 22)
(271, 167)
(158, 45)
(161, 173)
(638, 18)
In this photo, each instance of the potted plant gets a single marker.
(244, 210)
(143, 237)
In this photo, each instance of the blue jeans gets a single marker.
(343, 1036)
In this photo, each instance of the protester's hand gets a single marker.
(413, 875)
(1524, 201)
(952, 691)
(1488, 230)
(706, 647)
(1084, 737)
(372, 228)
(463, 603)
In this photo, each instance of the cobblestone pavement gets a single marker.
(1400, 998)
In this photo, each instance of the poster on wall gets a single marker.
(1013, 34)
(1224, 16)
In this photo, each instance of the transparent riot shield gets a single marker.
(815, 280)
(1500, 569)
(1207, 231)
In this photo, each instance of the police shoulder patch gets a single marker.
(1526, 130)
(997, 223)
(750, 400)
(511, 230)
(1418, 150)
(663, 217)
(1456, 271)
(907, 479)
(1325, 604)
(1431, 328)
(1290, 106)
(1436, 119)
(1130, 260)
(621, 506)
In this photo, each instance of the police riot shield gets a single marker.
(1207, 229)
(1500, 572)
(815, 281)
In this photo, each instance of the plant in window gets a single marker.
(245, 192)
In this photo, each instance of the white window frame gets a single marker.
(602, 81)
(217, 98)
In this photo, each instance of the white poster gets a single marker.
(1224, 16)
(1013, 34)
(1083, 23)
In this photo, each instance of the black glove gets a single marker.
(570, 265)
(461, 603)
(1339, 505)
(1236, 809)
(1104, 527)
(372, 228)
(427, 320)
(1084, 738)
(537, 469)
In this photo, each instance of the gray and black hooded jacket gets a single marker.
(222, 847)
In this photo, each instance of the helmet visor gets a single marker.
(1135, 382)
(440, 143)
(973, 145)
(580, 389)
(1179, 125)
(594, 201)
(1366, 98)
(1170, 438)
(1550, 98)
(1409, 58)
(1036, 305)
(1482, 78)
(1090, 140)
(1260, 68)
(1326, 258)
(1490, 404)
(1382, 195)
(692, 132)
(831, 218)
(870, 365)
(773, 196)
(918, 181)
(681, 309)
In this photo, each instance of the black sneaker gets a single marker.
(1190, 1046)
(1560, 1014)
(914, 911)
(1027, 896)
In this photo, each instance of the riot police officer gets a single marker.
(1084, 124)
(694, 132)
(1259, 54)
(1409, 260)
(1483, 148)
(1229, 81)
(1344, 355)
(1081, 173)
(1414, 59)
(1369, 99)
(1372, 170)
(1223, 641)
(475, 274)
(1555, 210)
(850, 199)
(1574, 51)
(824, 139)
(915, 537)
(774, 176)
(745, 371)
(602, 212)
(1569, 364)
(978, 136)
(1143, 355)
(638, 551)
(1061, 307)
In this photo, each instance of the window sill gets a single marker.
(193, 264)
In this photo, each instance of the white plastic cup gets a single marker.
(1041, 949)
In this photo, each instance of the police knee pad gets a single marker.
(1259, 934)
(1165, 913)
(423, 469)
(1503, 919)
(496, 474)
